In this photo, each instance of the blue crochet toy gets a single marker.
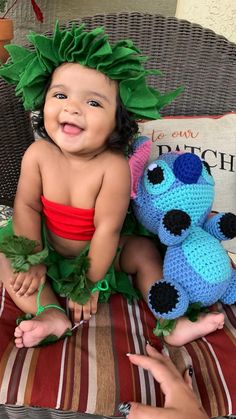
(173, 197)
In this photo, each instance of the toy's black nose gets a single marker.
(188, 168)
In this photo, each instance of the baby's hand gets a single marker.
(26, 283)
(83, 312)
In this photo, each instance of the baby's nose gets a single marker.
(72, 108)
(188, 168)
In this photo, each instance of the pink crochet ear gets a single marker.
(137, 163)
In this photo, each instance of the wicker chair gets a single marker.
(188, 54)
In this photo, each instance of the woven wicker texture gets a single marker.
(188, 55)
(13, 412)
(15, 136)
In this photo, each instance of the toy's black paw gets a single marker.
(175, 221)
(163, 297)
(228, 225)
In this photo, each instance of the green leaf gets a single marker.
(194, 310)
(19, 250)
(37, 258)
(164, 327)
(12, 245)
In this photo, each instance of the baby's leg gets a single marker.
(50, 322)
(141, 258)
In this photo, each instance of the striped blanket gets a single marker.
(90, 373)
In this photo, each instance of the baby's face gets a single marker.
(80, 109)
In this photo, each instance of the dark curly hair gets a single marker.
(120, 140)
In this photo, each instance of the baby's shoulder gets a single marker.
(116, 163)
(115, 158)
(40, 148)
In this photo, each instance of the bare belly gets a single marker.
(65, 247)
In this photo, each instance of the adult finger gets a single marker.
(159, 365)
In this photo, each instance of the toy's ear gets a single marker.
(138, 161)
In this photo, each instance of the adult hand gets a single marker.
(180, 401)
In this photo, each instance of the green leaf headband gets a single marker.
(30, 69)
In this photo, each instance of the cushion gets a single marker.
(90, 373)
(211, 138)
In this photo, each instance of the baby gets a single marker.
(74, 186)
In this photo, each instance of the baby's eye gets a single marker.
(60, 95)
(94, 103)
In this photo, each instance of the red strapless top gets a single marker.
(68, 222)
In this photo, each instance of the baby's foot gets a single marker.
(50, 322)
(186, 331)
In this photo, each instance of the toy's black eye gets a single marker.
(156, 175)
(206, 166)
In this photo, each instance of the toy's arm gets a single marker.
(174, 227)
(222, 226)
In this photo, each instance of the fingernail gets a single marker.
(149, 342)
(124, 408)
(190, 370)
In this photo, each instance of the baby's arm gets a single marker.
(27, 218)
(110, 210)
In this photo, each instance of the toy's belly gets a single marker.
(206, 256)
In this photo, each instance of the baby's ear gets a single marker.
(137, 162)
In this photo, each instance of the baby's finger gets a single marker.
(71, 305)
(33, 287)
(87, 311)
(13, 279)
(94, 302)
(42, 279)
(77, 312)
(24, 287)
(18, 281)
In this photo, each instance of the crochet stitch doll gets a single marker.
(172, 198)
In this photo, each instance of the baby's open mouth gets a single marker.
(71, 129)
